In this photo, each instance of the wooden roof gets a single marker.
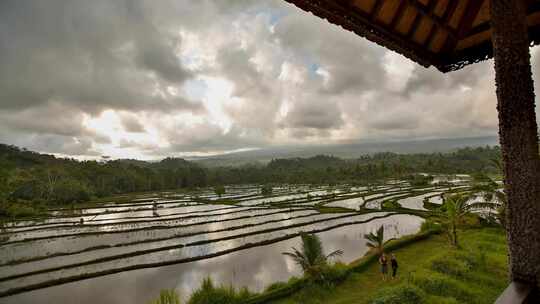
(448, 34)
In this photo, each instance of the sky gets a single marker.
(148, 79)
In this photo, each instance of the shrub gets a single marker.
(391, 204)
(450, 266)
(167, 296)
(68, 191)
(401, 294)
(209, 294)
(335, 273)
(430, 225)
(266, 190)
(472, 259)
(219, 190)
(20, 209)
(276, 285)
(442, 286)
(312, 293)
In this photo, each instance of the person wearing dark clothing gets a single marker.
(384, 266)
(394, 264)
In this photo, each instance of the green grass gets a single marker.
(430, 272)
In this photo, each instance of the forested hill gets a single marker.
(346, 150)
(30, 176)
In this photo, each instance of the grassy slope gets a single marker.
(481, 284)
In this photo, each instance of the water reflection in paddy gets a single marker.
(255, 268)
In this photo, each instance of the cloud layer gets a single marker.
(140, 78)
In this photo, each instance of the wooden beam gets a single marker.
(358, 21)
(485, 26)
(428, 12)
(399, 14)
(448, 12)
(414, 25)
(376, 9)
(471, 11)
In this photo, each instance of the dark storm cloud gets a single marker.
(314, 115)
(207, 137)
(93, 54)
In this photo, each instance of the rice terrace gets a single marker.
(171, 228)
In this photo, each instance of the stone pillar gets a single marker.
(518, 136)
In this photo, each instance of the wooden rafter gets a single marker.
(441, 27)
(399, 14)
(376, 9)
(471, 11)
(448, 12)
(427, 11)
(414, 25)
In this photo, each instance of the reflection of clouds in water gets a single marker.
(351, 240)
(255, 268)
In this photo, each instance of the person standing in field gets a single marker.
(394, 264)
(383, 260)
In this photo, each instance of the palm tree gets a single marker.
(494, 197)
(454, 210)
(376, 241)
(311, 257)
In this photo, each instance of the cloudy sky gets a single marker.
(146, 79)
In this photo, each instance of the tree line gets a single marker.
(27, 176)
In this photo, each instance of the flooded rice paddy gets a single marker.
(126, 252)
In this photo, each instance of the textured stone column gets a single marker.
(518, 136)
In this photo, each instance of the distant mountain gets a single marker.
(349, 150)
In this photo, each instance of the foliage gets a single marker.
(167, 296)
(391, 204)
(444, 286)
(375, 240)
(219, 190)
(494, 198)
(311, 257)
(456, 212)
(401, 294)
(430, 225)
(430, 273)
(34, 177)
(20, 210)
(266, 190)
(419, 180)
(452, 214)
(210, 294)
